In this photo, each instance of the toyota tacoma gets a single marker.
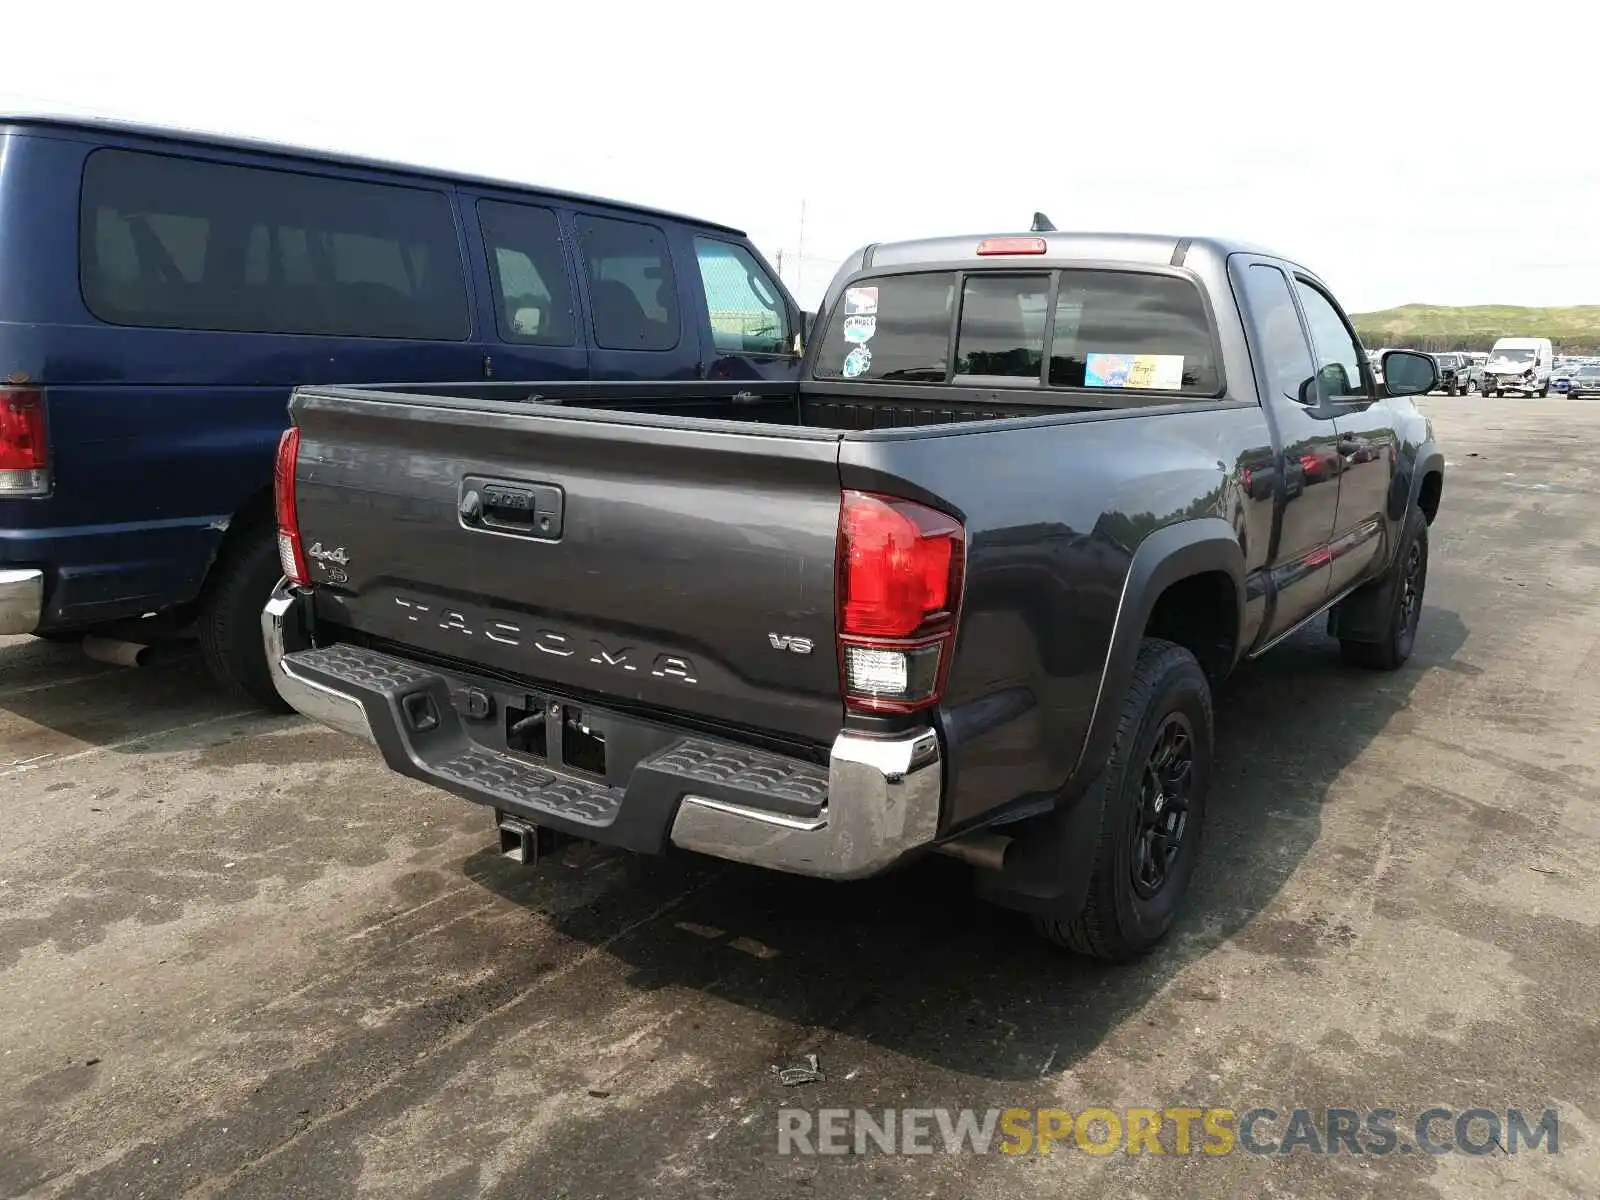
(966, 587)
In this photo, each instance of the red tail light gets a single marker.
(901, 567)
(24, 452)
(290, 554)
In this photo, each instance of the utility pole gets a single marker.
(800, 250)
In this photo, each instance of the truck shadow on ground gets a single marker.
(911, 963)
(54, 699)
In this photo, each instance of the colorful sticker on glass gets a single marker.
(1151, 372)
(860, 329)
(857, 362)
(860, 301)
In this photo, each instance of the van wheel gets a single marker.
(230, 619)
(1152, 797)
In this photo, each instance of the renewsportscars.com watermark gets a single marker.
(1175, 1131)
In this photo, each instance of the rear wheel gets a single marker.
(1151, 794)
(1405, 583)
(230, 619)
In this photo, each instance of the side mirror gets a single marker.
(1408, 373)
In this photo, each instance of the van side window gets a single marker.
(633, 295)
(748, 314)
(533, 299)
(178, 243)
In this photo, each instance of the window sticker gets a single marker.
(860, 301)
(1152, 372)
(860, 329)
(857, 362)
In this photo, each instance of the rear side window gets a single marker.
(178, 243)
(633, 294)
(1108, 330)
(748, 315)
(1123, 329)
(533, 300)
(896, 328)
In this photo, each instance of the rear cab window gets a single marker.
(1085, 330)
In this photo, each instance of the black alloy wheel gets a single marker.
(1162, 816)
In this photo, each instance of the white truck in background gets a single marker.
(1521, 365)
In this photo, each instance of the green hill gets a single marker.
(1575, 329)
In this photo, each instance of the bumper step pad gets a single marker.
(448, 757)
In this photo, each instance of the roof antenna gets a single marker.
(1041, 224)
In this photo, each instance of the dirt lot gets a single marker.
(239, 958)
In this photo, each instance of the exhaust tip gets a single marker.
(116, 651)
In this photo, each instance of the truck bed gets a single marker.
(812, 405)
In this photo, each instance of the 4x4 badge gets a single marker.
(336, 555)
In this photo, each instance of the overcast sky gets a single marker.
(1352, 137)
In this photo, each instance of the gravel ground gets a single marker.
(237, 957)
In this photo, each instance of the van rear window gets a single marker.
(179, 243)
(1109, 330)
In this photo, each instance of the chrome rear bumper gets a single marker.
(882, 798)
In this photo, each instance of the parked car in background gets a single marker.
(1521, 365)
(971, 614)
(1475, 364)
(1454, 373)
(1584, 381)
(163, 292)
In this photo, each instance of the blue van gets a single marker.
(161, 292)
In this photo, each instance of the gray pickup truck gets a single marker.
(965, 587)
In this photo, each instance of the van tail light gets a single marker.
(901, 569)
(24, 450)
(291, 555)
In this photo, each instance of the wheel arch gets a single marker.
(1193, 560)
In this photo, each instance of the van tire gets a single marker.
(1117, 923)
(230, 619)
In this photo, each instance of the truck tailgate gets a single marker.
(685, 568)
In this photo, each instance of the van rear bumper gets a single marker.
(874, 801)
(21, 599)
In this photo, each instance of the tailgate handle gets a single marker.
(531, 510)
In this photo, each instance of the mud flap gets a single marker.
(1363, 616)
(1048, 865)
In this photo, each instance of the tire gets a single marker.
(1168, 701)
(230, 620)
(1543, 392)
(1407, 582)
